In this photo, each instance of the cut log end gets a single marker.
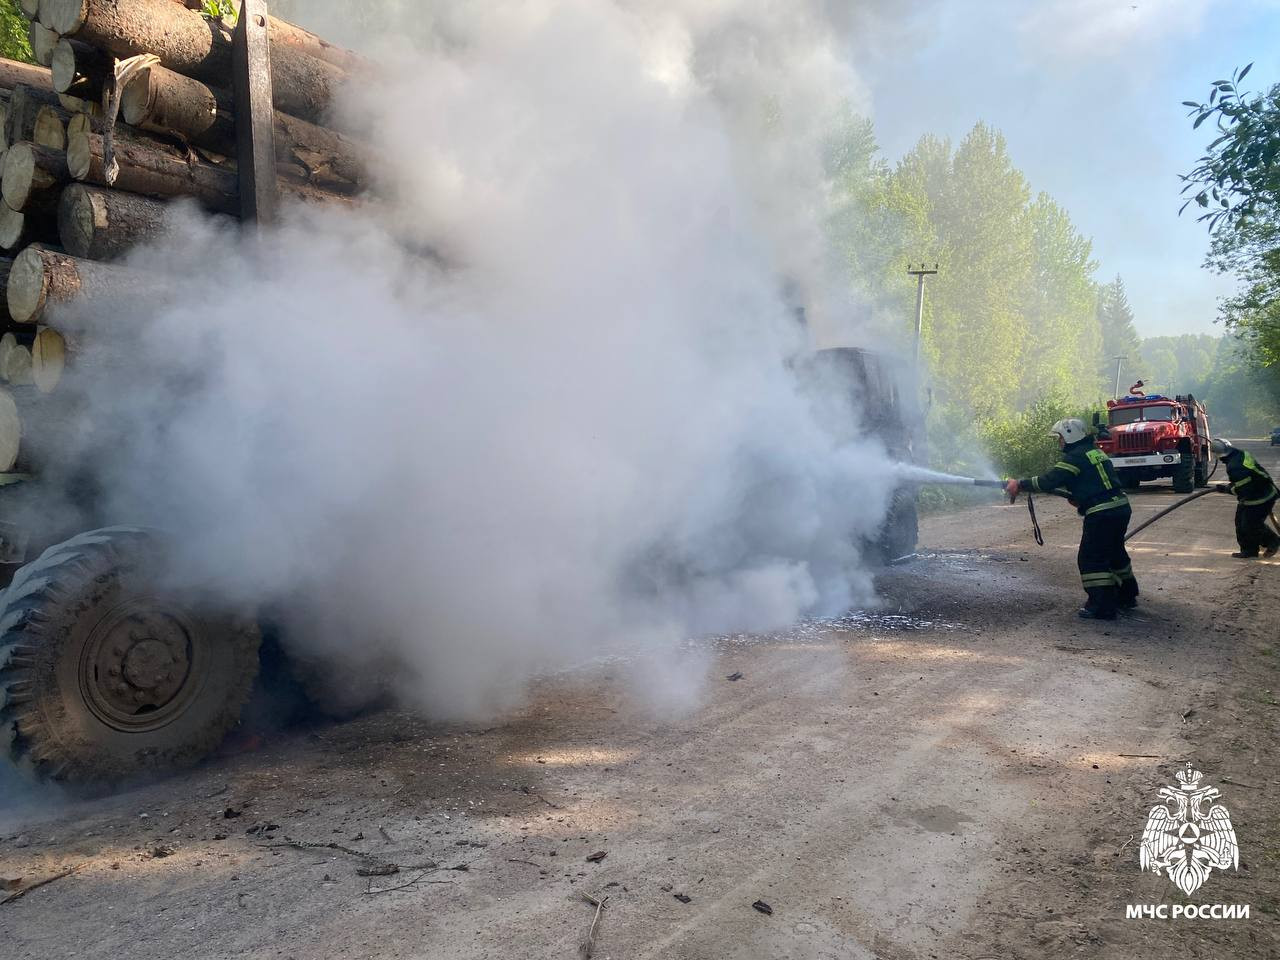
(17, 368)
(48, 359)
(49, 130)
(64, 16)
(10, 431)
(79, 71)
(137, 99)
(13, 225)
(98, 224)
(28, 286)
(43, 40)
(18, 175)
(79, 153)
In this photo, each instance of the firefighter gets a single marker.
(1089, 479)
(1255, 496)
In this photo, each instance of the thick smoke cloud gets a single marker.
(540, 401)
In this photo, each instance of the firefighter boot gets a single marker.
(1127, 598)
(1101, 604)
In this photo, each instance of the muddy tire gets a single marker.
(104, 676)
(1184, 475)
(1201, 474)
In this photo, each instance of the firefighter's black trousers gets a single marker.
(1252, 531)
(1105, 570)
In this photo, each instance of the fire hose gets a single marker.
(1035, 524)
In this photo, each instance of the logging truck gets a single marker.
(105, 672)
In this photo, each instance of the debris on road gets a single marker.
(597, 856)
(736, 675)
(683, 897)
(763, 908)
(378, 870)
(23, 891)
(589, 944)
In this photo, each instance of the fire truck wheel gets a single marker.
(1202, 473)
(1129, 479)
(105, 675)
(1184, 475)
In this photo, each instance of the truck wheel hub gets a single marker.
(136, 670)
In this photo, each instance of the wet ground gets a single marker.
(964, 772)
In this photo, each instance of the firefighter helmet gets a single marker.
(1069, 430)
(1220, 447)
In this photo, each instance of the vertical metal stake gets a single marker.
(255, 114)
(920, 273)
(1119, 360)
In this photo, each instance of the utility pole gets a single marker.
(1119, 360)
(920, 273)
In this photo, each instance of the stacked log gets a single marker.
(65, 223)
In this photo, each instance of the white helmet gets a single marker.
(1069, 430)
(1220, 447)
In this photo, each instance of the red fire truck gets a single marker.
(1148, 437)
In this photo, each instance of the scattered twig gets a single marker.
(1125, 844)
(589, 945)
(1240, 783)
(1189, 712)
(385, 836)
(380, 862)
(528, 792)
(19, 894)
(409, 883)
(528, 862)
(308, 845)
(1140, 756)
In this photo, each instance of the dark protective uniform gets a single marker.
(1255, 495)
(1088, 477)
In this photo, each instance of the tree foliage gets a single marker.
(1236, 185)
(13, 32)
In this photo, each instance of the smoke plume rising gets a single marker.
(537, 401)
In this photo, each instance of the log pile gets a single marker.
(66, 216)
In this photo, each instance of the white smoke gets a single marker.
(574, 426)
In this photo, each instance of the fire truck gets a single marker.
(1152, 436)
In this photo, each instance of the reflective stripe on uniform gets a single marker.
(1107, 579)
(1063, 465)
(1120, 501)
(1254, 503)
(1099, 459)
(1126, 573)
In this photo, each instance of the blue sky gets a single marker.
(1088, 94)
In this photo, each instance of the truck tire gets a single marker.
(104, 675)
(1201, 474)
(901, 531)
(1184, 475)
(1129, 479)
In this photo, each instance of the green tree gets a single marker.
(1119, 336)
(13, 32)
(1236, 187)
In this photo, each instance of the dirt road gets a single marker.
(964, 773)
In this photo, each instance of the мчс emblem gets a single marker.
(1181, 838)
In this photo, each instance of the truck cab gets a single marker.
(861, 392)
(1152, 436)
